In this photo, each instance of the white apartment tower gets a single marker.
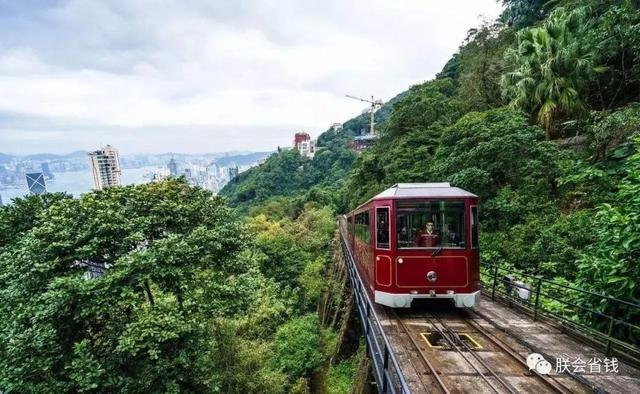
(304, 144)
(105, 167)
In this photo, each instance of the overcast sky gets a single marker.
(210, 75)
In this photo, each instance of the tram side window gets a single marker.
(382, 228)
(474, 227)
(362, 227)
(430, 224)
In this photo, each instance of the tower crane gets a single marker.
(375, 105)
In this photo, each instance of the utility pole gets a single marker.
(375, 105)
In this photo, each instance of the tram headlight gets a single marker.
(432, 276)
(400, 261)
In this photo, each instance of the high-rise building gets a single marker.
(173, 167)
(304, 144)
(47, 171)
(36, 183)
(105, 167)
(0, 200)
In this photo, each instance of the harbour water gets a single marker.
(77, 182)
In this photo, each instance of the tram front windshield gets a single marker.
(430, 224)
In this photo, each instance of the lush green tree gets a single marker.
(481, 65)
(611, 130)
(496, 155)
(451, 68)
(552, 69)
(287, 174)
(430, 104)
(281, 174)
(610, 263)
(366, 179)
(282, 257)
(616, 25)
(296, 347)
(408, 140)
(292, 251)
(23, 213)
(522, 13)
(116, 291)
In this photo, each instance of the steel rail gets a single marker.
(535, 349)
(433, 370)
(506, 385)
(555, 385)
(457, 349)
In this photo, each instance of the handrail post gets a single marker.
(368, 320)
(385, 366)
(537, 302)
(495, 282)
(607, 351)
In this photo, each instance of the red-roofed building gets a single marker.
(304, 144)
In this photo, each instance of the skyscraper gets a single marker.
(0, 200)
(105, 167)
(36, 183)
(173, 167)
(47, 171)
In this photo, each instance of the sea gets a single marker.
(77, 182)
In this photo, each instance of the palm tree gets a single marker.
(552, 68)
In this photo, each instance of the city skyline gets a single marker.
(199, 76)
(76, 174)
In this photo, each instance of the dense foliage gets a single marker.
(565, 69)
(158, 288)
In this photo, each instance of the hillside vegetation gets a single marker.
(538, 114)
(159, 288)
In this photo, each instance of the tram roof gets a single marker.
(439, 189)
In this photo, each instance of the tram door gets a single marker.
(383, 264)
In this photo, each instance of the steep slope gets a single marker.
(286, 173)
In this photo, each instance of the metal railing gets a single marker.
(386, 369)
(611, 323)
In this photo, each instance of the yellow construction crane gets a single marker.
(375, 105)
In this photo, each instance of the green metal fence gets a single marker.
(611, 323)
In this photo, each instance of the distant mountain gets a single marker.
(5, 158)
(242, 159)
(221, 158)
(52, 156)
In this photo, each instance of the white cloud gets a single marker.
(137, 71)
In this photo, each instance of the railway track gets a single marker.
(549, 381)
(502, 371)
(433, 371)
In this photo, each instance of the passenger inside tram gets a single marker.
(428, 238)
(430, 224)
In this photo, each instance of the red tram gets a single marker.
(418, 240)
